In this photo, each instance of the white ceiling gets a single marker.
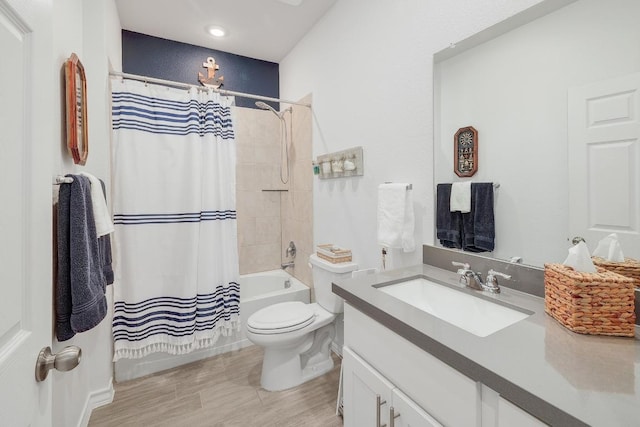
(261, 29)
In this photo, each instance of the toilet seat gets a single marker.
(281, 318)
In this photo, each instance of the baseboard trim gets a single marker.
(94, 400)
(336, 348)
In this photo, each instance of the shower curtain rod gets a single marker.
(190, 86)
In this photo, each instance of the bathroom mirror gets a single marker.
(513, 83)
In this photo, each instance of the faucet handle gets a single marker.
(464, 265)
(494, 273)
(491, 284)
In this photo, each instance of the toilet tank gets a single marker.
(324, 273)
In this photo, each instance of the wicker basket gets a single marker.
(334, 260)
(590, 303)
(333, 254)
(629, 268)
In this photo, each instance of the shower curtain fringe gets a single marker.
(176, 350)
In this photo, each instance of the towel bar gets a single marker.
(63, 180)
(495, 185)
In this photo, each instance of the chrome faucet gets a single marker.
(492, 281)
(284, 265)
(473, 280)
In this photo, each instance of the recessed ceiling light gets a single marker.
(216, 31)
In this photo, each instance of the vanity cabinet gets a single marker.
(372, 400)
(439, 391)
(381, 366)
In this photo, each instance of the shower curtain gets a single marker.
(176, 259)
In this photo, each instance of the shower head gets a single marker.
(265, 106)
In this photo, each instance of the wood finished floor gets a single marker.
(223, 391)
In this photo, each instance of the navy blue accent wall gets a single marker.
(170, 60)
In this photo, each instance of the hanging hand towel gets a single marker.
(80, 299)
(448, 224)
(478, 226)
(460, 197)
(101, 213)
(395, 217)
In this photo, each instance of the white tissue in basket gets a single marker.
(609, 249)
(580, 259)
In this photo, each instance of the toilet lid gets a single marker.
(280, 318)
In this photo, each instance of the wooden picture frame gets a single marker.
(76, 110)
(465, 152)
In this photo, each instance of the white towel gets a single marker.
(460, 197)
(395, 217)
(101, 214)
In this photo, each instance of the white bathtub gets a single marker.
(257, 290)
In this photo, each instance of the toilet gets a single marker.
(296, 336)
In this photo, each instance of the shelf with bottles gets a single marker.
(340, 164)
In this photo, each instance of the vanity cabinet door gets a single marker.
(367, 394)
(408, 414)
(369, 398)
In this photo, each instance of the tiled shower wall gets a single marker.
(297, 203)
(269, 220)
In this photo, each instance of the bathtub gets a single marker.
(257, 290)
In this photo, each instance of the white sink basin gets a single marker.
(475, 315)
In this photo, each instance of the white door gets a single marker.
(27, 140)
(604, 162)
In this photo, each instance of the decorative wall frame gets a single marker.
(465, 151)
(76, 109)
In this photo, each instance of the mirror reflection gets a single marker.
(549, 100)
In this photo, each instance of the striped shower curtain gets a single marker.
(176, 259)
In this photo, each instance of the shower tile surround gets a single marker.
(268, 221)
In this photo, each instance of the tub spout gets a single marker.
(287, 264)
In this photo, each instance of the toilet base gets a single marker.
(284, 368)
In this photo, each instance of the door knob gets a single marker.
(65, 360)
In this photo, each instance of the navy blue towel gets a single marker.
(80, 300)
(448, 224)
(478, 226)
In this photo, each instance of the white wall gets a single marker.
(91, 30)
(513, 90)
(369, 66)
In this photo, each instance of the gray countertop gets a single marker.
(561, 377)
